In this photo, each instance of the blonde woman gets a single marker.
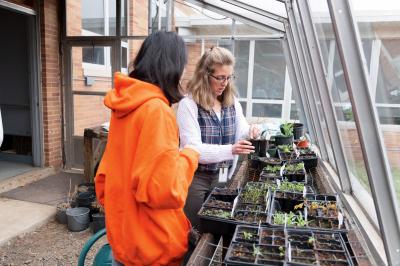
(211, 119)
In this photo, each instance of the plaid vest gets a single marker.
(214, 131)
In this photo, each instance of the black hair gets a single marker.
(160, 61)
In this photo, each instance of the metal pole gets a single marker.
(304, 115)
(307, 81)
(303, 86)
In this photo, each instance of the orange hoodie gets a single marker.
(143, 178)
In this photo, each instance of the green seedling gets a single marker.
(256, 250)
(247, 235)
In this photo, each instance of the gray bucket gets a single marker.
(78, 219)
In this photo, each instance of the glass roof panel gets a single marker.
(232, 11)
(272, 6)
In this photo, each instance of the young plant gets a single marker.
(281, 251)
(311, 241)
(279, 218)
(287, 129)
(290, 186)
(256, 251)
(285, 148)
(300, 221)
(272, 168)
(247, 235)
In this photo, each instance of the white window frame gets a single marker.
(286, 102)
(104, 70)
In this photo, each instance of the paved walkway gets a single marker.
(26, 208)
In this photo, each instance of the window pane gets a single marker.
(294, 114)
(269, 70)
(382, 31)
(124, 15)
(124, 57)
(267, 110)
(272, 6)
(244, 107)
(347, 130)
(201, 21)
(93, 55)
(93, 16)
(98, 17)
(242, 67)
(112, 17)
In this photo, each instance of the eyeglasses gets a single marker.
(222, 79)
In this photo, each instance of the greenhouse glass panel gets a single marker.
(269, 70)
(347, 127)
(267, 110)
(192, 20)
(271, 6)
(326, 140)
(378, 22)
(96, 17)
(241, 67)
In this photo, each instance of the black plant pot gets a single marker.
(85, 199)
(298, 130)
(98, 222)
(283, 140)
(260, 146)
(86, 187)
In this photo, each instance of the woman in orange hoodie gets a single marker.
(143, 177)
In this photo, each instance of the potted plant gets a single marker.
(98, 218)
(260, 144)
(286, 136)
(298, 130)
(61, 210)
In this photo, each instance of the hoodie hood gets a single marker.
(130, 93)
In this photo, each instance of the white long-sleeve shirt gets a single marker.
(190, 133)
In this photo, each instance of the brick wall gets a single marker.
(52, 126)
(352, 145)
(89, 111)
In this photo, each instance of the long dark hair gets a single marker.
(160, 61)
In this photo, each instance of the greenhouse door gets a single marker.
(89, 75)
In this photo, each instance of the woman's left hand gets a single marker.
(254, 131)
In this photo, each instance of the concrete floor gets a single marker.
(10, 169)
(25, 208)
(50, 190)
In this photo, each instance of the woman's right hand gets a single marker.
(242, 147)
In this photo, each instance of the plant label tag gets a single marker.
(235, 201)
(290, 252)
(285, 222)
(267, 200)
(340, 218)
(338, 202)
(278, 183)
(281, 171)
(223, 175)
(304, 191)
(305, 213)
(259, 226)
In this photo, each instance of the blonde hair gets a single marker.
(199, 86)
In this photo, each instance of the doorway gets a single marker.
(19, 93)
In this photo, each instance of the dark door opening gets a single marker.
(17, 88)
